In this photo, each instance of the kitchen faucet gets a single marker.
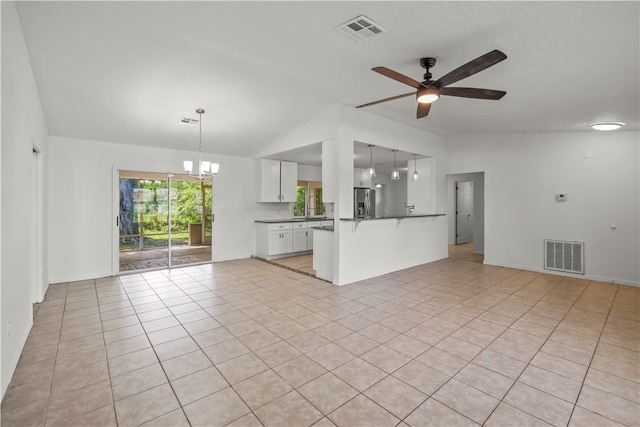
(309, 205)
(410, 209)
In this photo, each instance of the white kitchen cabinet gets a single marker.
(310, 238)
(288, 181)
(361, 178)
(276, 181)
(280, 242)
(300, 232)
(273, 239)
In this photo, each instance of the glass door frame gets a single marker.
(115, 258)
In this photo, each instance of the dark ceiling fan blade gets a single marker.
(471, 92)
(385, 100)
(423, 110)
(397, 76)
(470, 68)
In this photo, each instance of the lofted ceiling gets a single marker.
(126, 72)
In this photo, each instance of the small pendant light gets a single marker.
(372, 170)
(395, 173)
(415, 167)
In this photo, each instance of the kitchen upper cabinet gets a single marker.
(288, 181)
(361, 178)
(276, 180)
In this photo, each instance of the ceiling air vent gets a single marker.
(189, 121)
(360, 28)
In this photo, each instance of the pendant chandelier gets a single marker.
(415, 167)
(372, 170)
(395, 173)
(206, 169)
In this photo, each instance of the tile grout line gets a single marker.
(540, 349)
(582, 384)
(46, 408)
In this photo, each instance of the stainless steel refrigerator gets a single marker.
(364, 203)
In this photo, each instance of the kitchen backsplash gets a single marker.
(283, 211)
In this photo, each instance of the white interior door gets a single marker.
(464, 212)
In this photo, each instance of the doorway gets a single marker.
(164, 220)
(478, 210)
(464, 212)
(37, 287)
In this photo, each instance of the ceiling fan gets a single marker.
(429, 91)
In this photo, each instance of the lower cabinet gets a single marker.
(279, 242)
(300, 237)
(277, 239)
(273, 239)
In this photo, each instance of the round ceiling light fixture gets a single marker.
(606, 125)
(427, 95)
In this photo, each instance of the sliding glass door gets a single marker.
(164, 221)
(191, 223)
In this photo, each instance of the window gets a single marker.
(309, 199)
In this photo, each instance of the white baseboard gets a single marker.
(559, 273)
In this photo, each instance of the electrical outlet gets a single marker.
(8, 328)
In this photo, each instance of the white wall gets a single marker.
(373, 248)
(316, 130)
(523, 173)
(393, 196)
(478, 208)
(309, 173)
(422, 194)
(23, 127)
(361, 126)
(83, 207)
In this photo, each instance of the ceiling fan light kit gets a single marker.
(429, 91)
(427, 95)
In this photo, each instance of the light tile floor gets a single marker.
(248, 343)
(302, 263)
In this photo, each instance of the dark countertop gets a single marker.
(276, 221)
(392, 217)
(323, 228)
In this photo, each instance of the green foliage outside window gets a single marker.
(299, 207)
(319, 205)
(150, 205)
(302, 205)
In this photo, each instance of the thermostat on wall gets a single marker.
(561, 197)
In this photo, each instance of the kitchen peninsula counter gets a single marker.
(372, 247)
(393, 217)
(277, 221)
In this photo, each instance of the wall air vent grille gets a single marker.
(188, 121)
(564, 256)
(360, 28)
